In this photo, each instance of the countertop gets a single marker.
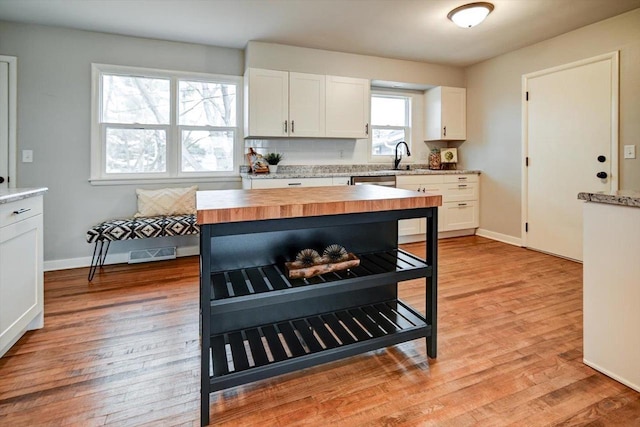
(621, 198)
(330, 171)
(8, 195)
(220, 206)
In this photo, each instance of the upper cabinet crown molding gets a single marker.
(281, 104)
(446, 114)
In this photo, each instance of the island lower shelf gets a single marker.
(273, 349)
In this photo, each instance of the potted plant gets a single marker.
(273, 159)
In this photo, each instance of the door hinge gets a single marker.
(526, 161)
(526, 227)
(527, 95)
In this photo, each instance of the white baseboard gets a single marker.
(610, 374)
(504, 238)
(112, 258)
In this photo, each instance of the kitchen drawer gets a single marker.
(285, 183)
(459, 215)
(402, 180)
(460, 192)
(20, 210)
(461, 178)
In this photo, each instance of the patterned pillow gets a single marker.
(166, 201)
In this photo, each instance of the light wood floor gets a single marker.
(124, 351)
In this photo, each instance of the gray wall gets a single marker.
(494, 121)
(54, 83)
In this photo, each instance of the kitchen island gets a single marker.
(611, 298)
(258, 323)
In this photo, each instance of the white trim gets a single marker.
(614, 57)
(504, 238)
(13, 122)
(173, 172)
(112, 258)
(172, 180)
(610, 374)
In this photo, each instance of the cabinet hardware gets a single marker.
(285, 126)
(21, 211)
(462, 185)
(602, 159)
(602, 175)
(461, 178)
(293, 124)
(366, 129)
(445, 131)
(462, 204)
(295, 183)
(1, 179)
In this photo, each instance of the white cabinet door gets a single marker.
(347, 107)
(21, 279)
(446, 114)
(459, 215)
(341, 180)
(293, 182)
(306, 105)
(266, 102)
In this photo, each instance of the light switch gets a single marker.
(629, 151)
(27, 156)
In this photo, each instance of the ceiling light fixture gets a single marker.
(470, 15)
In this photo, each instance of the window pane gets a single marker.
(136, 150)
(388, 111)
(134, 100)
(207, 104)
(384, 141)
(207, 151)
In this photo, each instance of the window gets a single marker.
(390, 123)
(154, 124)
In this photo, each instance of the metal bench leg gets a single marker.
(99, 257)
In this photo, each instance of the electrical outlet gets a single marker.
(629, 151)
(27, 156)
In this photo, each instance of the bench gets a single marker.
(135, 228)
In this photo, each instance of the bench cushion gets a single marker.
(144, 227)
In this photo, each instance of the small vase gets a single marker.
(434, 159)
(273, 168)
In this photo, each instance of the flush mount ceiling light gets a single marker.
(471, 14)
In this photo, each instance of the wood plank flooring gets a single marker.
(124, 351)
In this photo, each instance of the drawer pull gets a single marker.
(462, 178)
(462, 185)
(295, 183)
(462, 204)
(21, 211)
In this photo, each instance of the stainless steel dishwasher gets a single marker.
(383, 180)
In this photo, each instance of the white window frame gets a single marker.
(408, 128)
(173, 174)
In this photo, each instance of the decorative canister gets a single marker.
(434, 159)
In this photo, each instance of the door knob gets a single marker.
(602, 159)
(601, 175)
(1, 179)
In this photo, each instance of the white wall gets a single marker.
(54, 72)
(494, 142)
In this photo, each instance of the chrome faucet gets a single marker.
(396, 161)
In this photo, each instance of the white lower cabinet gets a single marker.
(286, 182)
(459, 212)
(21, 270)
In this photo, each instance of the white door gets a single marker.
(570, 137)
(4, 124)
(306, 104)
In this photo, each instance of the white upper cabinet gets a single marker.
(306, 104)
(446, 114)
(266, 104)
(348, 107)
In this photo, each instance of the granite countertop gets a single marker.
(330, 171)
(621, 198)
(221, 206)
(8, 195)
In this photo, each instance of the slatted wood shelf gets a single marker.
(251, 286)
(274, 349)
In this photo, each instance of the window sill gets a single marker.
(171, 180)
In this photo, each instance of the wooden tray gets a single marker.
(296, 270)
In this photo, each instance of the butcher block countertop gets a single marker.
(220, 206)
